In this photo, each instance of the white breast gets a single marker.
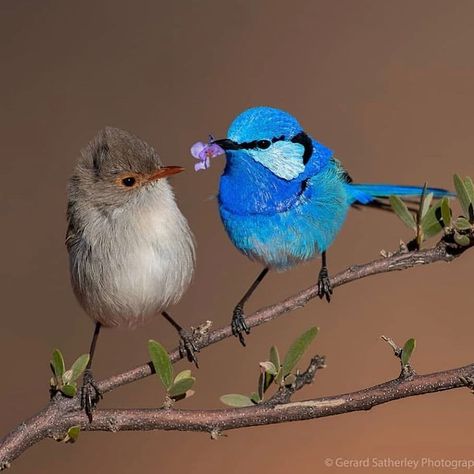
(143, 263)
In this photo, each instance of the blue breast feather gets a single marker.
(281, 223)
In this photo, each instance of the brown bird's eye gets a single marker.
(128, 181)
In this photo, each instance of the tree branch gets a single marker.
(62, 413)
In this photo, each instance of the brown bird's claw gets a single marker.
(188, 346)
(90, 394)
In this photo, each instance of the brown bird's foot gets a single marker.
(188, 346)
(90, 394)
(324, 285)
(238, 324)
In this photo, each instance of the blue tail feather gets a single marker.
(365, 193)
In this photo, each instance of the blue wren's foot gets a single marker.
(324, 284)
(187, 346)
(238, 324)
(90, 394)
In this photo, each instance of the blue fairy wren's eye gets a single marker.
(263, 144)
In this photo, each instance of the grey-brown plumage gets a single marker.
(131, 251)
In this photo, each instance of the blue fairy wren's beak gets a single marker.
(226, 144)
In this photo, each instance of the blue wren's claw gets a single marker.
(324, 284)
(188, 347)
(239, 326)
(90, 394)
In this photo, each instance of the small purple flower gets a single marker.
(204, 152)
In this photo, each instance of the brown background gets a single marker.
(387, 85)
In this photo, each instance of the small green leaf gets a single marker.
(255, 398)
(469, 185)
(463, 196)
(181, 387)
(425, 204)
(407, 351)
(236, 400)
(401, 210)
(445, 212)
(432, 223)
(161, 362)
(274, 357)
(57, 364)
(462, 224)
(462, 240)
(69, 390)
(268, 367)
(79, 366)
(261, 384)
(184, 374)
(73, 434)
(297, 349)
(268, 381)
(67, 376)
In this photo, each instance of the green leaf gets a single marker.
(184, 374)
(255, 398)
(57, 364)
(432, 223)
(236, 400)
(401, 210)
(181, 387)
(261, 384)
(275, 357)
(469, 185)
(275, 360)
(462, 224)
(407, 351)
(445, 212)
(69, 389)
(462, 240)
(425, 204)
(67, 376)
(161, 362)
(463, 196)
(78, 367)
(269, 367)
(73, 434)
(297, 349)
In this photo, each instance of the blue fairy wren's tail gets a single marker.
(365, 193)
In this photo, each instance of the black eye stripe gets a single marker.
(257, 143)
(263, 144)
(306, 141)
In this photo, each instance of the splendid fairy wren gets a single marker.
(283, 196)
(131, 251)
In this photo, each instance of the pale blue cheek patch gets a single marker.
(283, 159)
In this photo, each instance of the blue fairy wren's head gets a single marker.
(269, 138)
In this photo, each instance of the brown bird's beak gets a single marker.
(164, 172)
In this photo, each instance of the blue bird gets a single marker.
(284, 197)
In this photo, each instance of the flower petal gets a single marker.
(197, 148)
